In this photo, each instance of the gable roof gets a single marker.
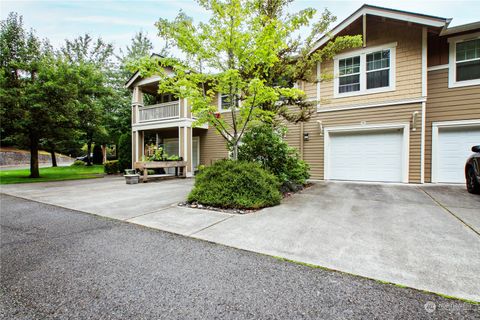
(419, 18)
(136, 74)
(461, 28)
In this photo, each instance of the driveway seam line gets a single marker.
(204, 228)
(449, 211)
(151, 212)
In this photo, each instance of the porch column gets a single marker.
(137, 146)
(137, 101)
(185, 111)
(134, 147)
(185, 147)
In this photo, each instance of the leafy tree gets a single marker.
(94, 60)
(85, 49)
(141, 46)
(38, 90)
(117, 105)
(247, 51)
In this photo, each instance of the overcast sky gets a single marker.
(117, 21)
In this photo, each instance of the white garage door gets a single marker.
(453, 148)
(366, 156)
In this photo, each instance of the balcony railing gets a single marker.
(161, 111)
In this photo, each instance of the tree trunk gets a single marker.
(54, 157)
(104, 153)
(89, 148)
(235, 151)
(34, 171)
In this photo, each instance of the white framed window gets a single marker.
(378, 69)
(224, 102)
(464, 60)
(365, 71)
(349, 74)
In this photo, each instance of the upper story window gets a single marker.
(468, 60)
(464, 60)
(224, 102)
(365, 71)
(349, 74)
(378, 69)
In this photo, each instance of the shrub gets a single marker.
(111, 167)
(78, 163)
(125, 151)
(265, 145)
(235, 184)
(97, 154)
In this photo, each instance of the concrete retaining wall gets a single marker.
(12, 158)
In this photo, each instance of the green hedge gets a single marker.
(78, 163)
(111, 167)
(125, 151)
(235, 184)
(264, 144)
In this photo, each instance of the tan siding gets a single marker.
(408, 66)
(310, 88)
(212, 147)
(313, 149)
(293, 135)
(444, 104)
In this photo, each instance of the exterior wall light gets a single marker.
(320, 126)
(414, 120)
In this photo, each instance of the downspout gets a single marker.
(301, 140)
(302, 128)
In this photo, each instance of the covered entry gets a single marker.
(177, 141)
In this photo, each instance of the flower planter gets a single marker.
(144, 166)
(167, 160)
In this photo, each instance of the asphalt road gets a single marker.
(63, 264)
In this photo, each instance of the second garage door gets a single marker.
(366, 155)
(453, 148)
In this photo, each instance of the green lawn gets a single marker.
(51, 174)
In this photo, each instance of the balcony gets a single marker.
(161, 111)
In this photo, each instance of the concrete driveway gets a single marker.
(424, 237)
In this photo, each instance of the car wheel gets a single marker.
(472, 183)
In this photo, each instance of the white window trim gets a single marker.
(358, 128)
(435, 128)
(452, 61)
(219, 104)
(363, 70)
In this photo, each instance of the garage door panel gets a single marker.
(366, 156)
(454, 147)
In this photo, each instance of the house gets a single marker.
(405, 107)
